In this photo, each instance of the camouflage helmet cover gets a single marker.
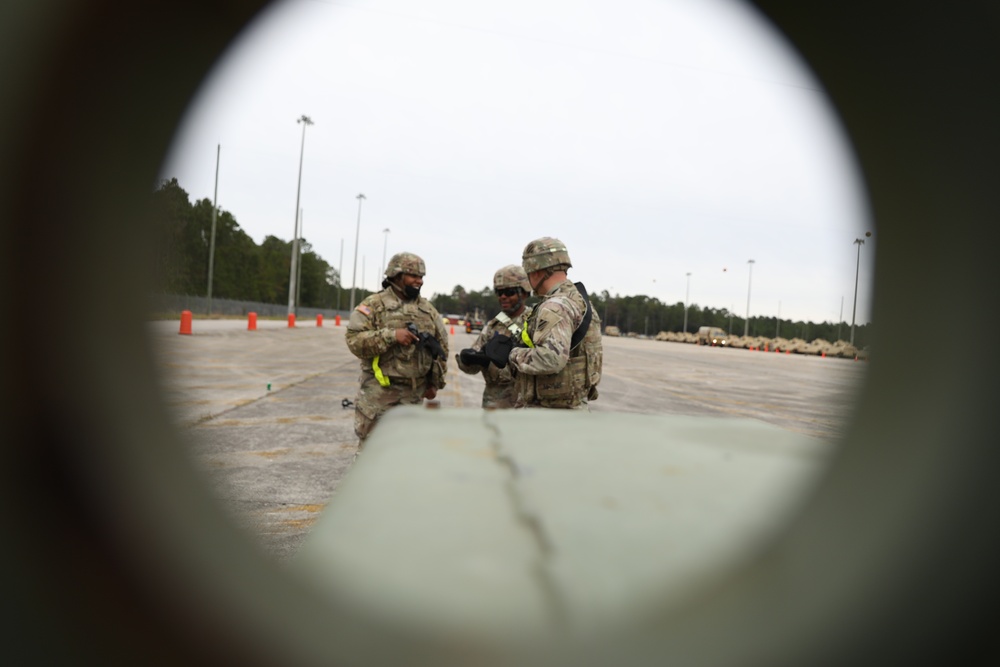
(405, 262)
(511, 276)
(543, 253)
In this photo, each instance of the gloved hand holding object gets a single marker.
(472, 357)
(498, 349)
(427, 341)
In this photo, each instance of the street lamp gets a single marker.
(298, 273)
(354, 271)
(340, 272)
(211, 245)
(687, 294)
(293, 273)
(385, 245)
(746, 325)
(857, 271)
(607, 300)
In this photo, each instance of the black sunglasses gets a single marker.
(508, 291)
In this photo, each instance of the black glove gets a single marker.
(471, 357)
(432, 345)
(426, 341)
(498, 349)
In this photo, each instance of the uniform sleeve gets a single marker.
(364, 340)
(554, 327)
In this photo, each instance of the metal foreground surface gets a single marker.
(482, 527)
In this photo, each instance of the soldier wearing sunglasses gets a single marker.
(511, 286)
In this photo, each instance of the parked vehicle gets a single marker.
(712, 336)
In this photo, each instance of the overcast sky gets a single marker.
(656, 138)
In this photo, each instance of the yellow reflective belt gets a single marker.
(526, 338)
(382, 379)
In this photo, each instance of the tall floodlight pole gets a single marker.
(293, 272)
(298, 275)
(687, 294)
(340, 273)
(211, 243)
(857, 271)
(841, 317)
(606, 302)
(385, 246)
(746, 325)
(354, 271)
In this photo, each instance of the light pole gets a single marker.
(306, 121)
(340, 273)
(211, 244)
(385, 245)
(857, 271)
(687, 294)
(746, 325)
(298, 273)
(354, 271)
(607, 300)
(841, 320)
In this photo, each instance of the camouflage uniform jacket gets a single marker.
(550, 374)
(500, 391)
(371, 333)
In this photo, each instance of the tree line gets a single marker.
(241, 270)
(245, 271)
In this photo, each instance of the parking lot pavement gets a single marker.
(263, 412)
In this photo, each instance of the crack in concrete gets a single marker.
(210, 417)
(533, 524)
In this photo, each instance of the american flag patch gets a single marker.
(364, 309)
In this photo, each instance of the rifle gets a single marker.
(427, 341)
(430, 343)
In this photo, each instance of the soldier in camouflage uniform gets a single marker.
(557, 362)
(512, 289)
(396, 366)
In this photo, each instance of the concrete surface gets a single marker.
(490, 527)
(276, 457)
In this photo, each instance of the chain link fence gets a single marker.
(201, 305)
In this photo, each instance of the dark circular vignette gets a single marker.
(114, 554)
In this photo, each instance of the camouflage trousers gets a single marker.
(583, 405)
(374, 400)
(498, 396)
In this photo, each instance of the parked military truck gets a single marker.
(712, 336)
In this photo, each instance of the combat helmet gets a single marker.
(543, 253)
(405, 262)
(511, 276)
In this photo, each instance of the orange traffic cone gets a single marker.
(319, 319)
(291, 320)
(337, 321)
(186, 322)
(453, 331)
(251, 321)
